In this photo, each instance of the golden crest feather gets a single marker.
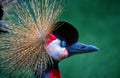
(23, 49)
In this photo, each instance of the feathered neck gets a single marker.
(52, 72)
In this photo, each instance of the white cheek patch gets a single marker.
(56, 51)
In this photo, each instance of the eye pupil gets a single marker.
(63, 44)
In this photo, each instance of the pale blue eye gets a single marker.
(63, 44)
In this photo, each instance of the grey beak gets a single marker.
(78, 48)
(4, 26)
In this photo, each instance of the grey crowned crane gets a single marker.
(37, 43)
(63, 43)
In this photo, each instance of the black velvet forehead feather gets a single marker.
(65, 31)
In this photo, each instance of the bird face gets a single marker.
(63, 43)
(56, 48)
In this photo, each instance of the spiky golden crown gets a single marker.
(24, 47)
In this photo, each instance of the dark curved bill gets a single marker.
(78, 48)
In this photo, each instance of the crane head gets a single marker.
(63, 42)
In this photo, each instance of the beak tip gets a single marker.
(94, 48)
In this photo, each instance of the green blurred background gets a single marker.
(98, 23)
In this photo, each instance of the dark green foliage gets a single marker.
(98, 23)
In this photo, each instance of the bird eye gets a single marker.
(63, 44)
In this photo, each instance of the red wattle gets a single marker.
(55, 73)
(51, 37)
